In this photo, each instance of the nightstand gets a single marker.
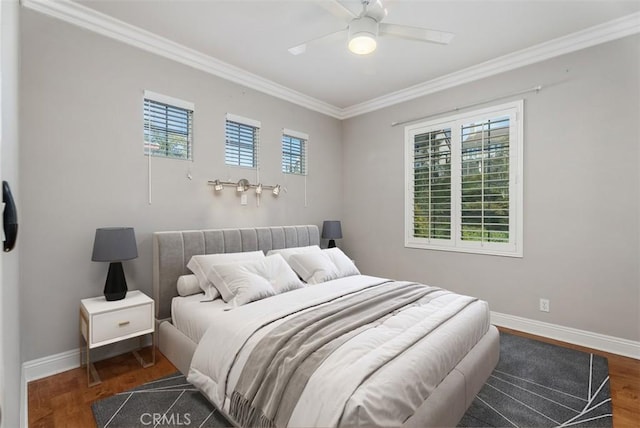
(103, 322)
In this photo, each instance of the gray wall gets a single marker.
(10, 331)
(82, 167)
(581, 194)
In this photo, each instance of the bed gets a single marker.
(178, 340)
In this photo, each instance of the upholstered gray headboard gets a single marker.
(173, 250)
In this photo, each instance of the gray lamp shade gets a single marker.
(331, 229)
(114, 244)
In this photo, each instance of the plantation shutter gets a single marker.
(294, 152)
(463, 182)
(485, 199)
(432, 184)
(168, 126)
(242, 136)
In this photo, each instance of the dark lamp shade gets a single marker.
(114, 244)
(331, 229)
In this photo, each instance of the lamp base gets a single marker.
(332, 243)
(116, 286)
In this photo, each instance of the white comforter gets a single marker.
(339, 393)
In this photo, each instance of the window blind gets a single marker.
(168, 127)
(485, 181)
(464, 189)
(294, 153)
(432, 184)
(241, 148)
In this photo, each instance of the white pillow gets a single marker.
(188, 285)
(288, 252)
(326, 265)
(345, 265)
(248, 287)
(201, 264)
(314, 268)
(230, 279)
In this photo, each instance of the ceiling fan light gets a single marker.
(362, 43)
(362, 35)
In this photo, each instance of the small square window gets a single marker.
(168, 127)
(294, 153)
(242, 137)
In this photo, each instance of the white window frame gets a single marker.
(514, 248)
(304, 139)
(246, 122)
(175, 103)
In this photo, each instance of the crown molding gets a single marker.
(108, 26)
(602, 33)
(105, 25)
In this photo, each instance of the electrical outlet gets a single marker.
(544, 305)
(243, 199)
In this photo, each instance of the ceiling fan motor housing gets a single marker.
(366, 25)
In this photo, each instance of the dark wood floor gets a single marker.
(64, 400)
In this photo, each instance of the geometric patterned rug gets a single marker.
(534, 385)
(167, 402)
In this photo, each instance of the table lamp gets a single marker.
(115, 244)
(331, 230)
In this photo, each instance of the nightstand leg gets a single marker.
(92, 374)
(142, 362)
(80, 347)
(81, 338)
(93, 378)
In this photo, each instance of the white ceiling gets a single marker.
(255, 35)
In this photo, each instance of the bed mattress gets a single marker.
(192, 315)
(344, 390)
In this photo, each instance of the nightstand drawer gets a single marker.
(103, 322)
(118, 324)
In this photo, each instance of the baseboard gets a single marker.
(68, 360)
(611, 344)
(51, 365)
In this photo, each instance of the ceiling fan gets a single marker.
(364, 29)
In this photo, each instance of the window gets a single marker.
(294, 152)
(464, 182)
(242, 136)
(168, 126)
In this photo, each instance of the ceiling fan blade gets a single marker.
(302, 47)
(338, 10)
(298, 50)
(416, 33)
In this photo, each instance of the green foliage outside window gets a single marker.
(484, 171)
(485, 181)
(432, 185)
(167, 130)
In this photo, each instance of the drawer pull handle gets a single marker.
(123, 323)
